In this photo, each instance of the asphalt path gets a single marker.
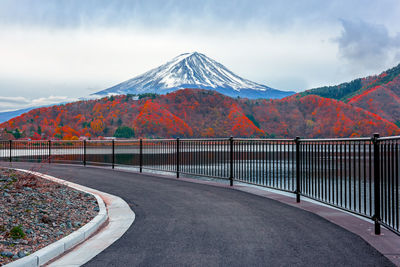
(180, 223)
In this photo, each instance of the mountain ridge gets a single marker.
(379, 94)
(197, 71)
(347, 90)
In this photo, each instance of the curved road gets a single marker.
(181, 223)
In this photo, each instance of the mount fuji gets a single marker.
(193, 70)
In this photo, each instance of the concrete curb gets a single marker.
(57, 248)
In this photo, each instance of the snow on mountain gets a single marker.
(193, 70)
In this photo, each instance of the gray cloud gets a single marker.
(189, 13)
(63, 47)
(13, 100)
(19, 102)
(366, 44)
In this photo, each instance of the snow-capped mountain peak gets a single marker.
(193, 70)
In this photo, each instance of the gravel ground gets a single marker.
(36, 212)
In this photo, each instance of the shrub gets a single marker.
(17, 232)
(124, 132)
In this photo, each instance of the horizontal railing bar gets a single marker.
(389, 138)
(66, 161)
(264, 139)
(266, 186)
(390, 228)
(336, 139)
(338, 207)
(99, 163)
(205, 139)
(152, 140)
(205, 175)
(155, 169)
(213, 139)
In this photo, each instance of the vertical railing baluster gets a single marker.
(84, 152)
(49, 144)
(350, 176)
(392, 182)
(354, 178)
(324, 173)
(273, 163)
(267, 166)
(370, 176)
(231, 161)
(308, 167)
(383, 180)
(298, 177)
(341, 173)
(377, 197)
(365, 177)
(319, 170)
(336, 174)
(345, 174)
(177, 157)
(10, 144)
(397, 183)
(330, 176)
(359, 177)
(140, 155)
(280, 164)
(113, 154)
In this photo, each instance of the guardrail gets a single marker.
(359, 175)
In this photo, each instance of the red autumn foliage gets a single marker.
(200, 113)
(241, 125)
(155, 120)
(383, 100)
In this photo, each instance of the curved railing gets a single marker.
(359, 175)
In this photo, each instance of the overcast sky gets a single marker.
(52, 51)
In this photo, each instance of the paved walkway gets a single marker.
(182, 223)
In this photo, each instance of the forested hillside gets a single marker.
(197, 113)
(348, 90)
(377, 94)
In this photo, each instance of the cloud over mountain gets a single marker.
(367, 44)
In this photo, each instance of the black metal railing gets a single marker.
(339, 172)
(359, 175)
(388, 189)
(204, 157)
(266, 162)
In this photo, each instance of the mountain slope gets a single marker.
(379, 94)
(5, 116)
(383, 100)
(346, 91)
(155, 120)
(200, 113)
(193, 70)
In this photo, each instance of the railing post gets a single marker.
(231, 161)
(298, 175)
(377, 178)
(140, 155)
(177, 157)
(113, 153)
(10, 150)
(84, 152)
(49, 151)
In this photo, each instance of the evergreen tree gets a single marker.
(124, 132)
